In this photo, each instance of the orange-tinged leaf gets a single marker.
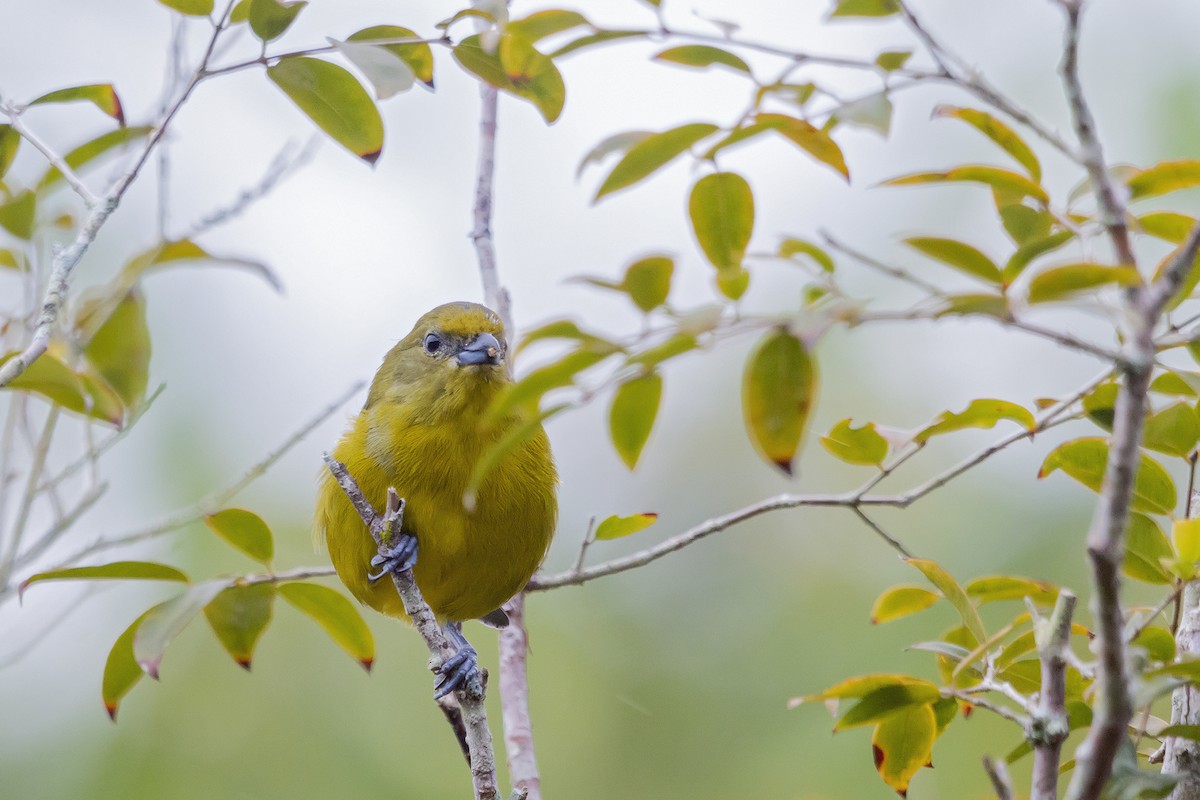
(901, 601)
(778, 389)
(816, 142)
(617, 527)
(101, 95)
(997, 178)
(1169, 176)
(959, 255)
(245, 531)
(334, 100)
(1063, 282)
(337, 615)
(999, 132)
(238, 616)
(632, 414)
(903, 743)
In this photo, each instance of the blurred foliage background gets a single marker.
(670, 681)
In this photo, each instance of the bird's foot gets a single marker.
(396, 557)
(461, 670)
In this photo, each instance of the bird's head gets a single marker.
(456, 354)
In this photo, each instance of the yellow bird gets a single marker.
(422, 432)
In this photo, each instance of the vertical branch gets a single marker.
(1182, 756)
(494, 295)
(1050, 727)
(514, 701)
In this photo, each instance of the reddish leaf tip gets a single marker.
(877, 752)
(874, 621)
(785, 465)
(929, 764)
(118, 110)
(371, 157)
(968, 710)
(111, 708)
(902, 792)
(243, 662)
(150, 667)
(367, 663)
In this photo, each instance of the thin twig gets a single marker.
(13, 545)
(384, 528)
(69, 175)
(997, 772)
(1050, 725)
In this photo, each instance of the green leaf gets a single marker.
(51, 378)
(1059, 283)
(616, 527)
(388, 73)
(863, 445)
(1029, 251)
(864, 685)
(566, 329)
(1024, 224)
(990, 305)
(1175, 430)
(239, 616)
(983, 413)
(101, 95)
(1190, 279)
(873, 112)
(1191, 732)
(733, 282)
(649, 154)
(517, 68)
(999, 132)
(677, 345)
(337, 615)
(1146, 548)
(418, 56)
(816, 142)
(17, 214)
(721, 207)
(958, 598)
(1085, 459)
(865, 8)
(632, 415)
(10, 260)
(525, 393)
(1002, 179)
(884, 702)
(10, 142)
(901, 601)
(240, 12)
(892, 60)
(245, 531)
(1129, 782)
(1158, 643)
(648, 281)
(790, 247)
(120, 349)
(778, 388)
(1185, 536)
(117, 570)
(541, 24)
(334, 100)
(167, 620)
(1169, 176)
(269, 19)
(90, 151)
(700, 55)
(193, 8)
(121, 671)
(994, 588)
(617, 143)
(529, 427)
(903, 743)
(599, 37)
(187, 250)
(959, 255)
(1166, 225)
(1099, 405)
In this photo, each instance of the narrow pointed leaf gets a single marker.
(617, 527)
(631, 417)
(1085, 460)
(650, 153)
(193, 8)
(334, 100)
(270, 19)
(167, 620)
(999, 132)
(677, 345)
(892, 60)
(239, 616)
(993, 588)
(600, 37)
(337, 615)
(617, 143)
(963, 257)
(101, 95)
(245, 531)
(1029, 251)
(884, 702)
(865, 8)
(790, 247)
(183, 250)
(1169, 176)
(816, 142)
(10, 142)
(983, 413)
(1167, 225)
(903, 743)
(418, 56)
(541, 24)
(700, 55)
(994, 177)
(864, 685)
(953, 592)
(778, 388)
(117, 570)
(901, 601)
(517, 435)
(121, 670)
(863, 445)
(721, 207)
(1059, 283)
(88, 152)
(527, 392)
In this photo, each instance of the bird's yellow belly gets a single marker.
(468, 564)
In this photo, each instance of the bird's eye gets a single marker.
(432, 343)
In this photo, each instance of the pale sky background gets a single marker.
(363, 252)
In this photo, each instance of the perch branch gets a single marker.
(1050, 727)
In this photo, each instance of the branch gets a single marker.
(495, 295)
(56, 161)
(384, 528)
(1181, 757)
(66, 260)
(997, 772)
(1111, 204)
(1050, 727)
(514, 701)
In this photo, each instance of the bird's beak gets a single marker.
(483, 349)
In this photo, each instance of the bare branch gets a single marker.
(1050, 726)
(514, 701)
(997, 772)
(384, 527)
(495, 295)
(69, 175)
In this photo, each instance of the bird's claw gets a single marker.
(459, 671)
(395, 558)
